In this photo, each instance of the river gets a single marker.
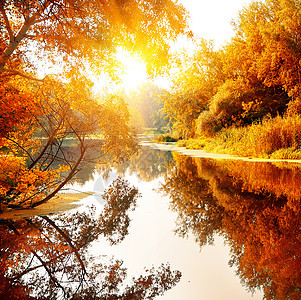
(230, 227)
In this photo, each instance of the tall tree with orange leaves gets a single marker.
(38, 115)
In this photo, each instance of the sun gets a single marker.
(130, 73)
(133, 69)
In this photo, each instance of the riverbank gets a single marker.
(60, 203)
(204, 154)
(277, 138)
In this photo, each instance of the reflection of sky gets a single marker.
(151, 241)
(97, 185)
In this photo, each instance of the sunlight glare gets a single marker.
(133, 71)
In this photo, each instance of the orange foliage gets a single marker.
(16, 107)
(69, 34)
(37, 116)
(266, 139)
(257, 74)
(20, 186)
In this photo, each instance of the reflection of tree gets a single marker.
(93, 156)
(255, 207)
(114, 221)
(48, 258)
(93, 159)
(203, 216)
(148, 163)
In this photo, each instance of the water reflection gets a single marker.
(254, 206)
(48, 257)
(148, 164)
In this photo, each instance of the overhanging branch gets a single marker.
(11, 72)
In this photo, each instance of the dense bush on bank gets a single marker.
(278, 137)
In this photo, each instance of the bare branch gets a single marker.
(73, 171)
(54, 157)
(50, 141)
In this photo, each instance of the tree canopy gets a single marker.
(75, 33)
(254, 75)
(40, 116)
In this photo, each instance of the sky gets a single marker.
(211, 19)
(208, 19)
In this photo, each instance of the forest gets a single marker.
(243, 98)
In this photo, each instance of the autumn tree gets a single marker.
(197, 81)
(44, 165)
(72, 31)
(39, 115)
(261, 64)
(255, 75)
(280, 30)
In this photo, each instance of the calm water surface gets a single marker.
(232, 229)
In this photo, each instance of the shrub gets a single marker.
(181, 143)
(195, 144)
(207, 124)
(164, 138)
(260, 140)
(289, 153)
(198, 143)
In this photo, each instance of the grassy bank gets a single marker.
(278, 138)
